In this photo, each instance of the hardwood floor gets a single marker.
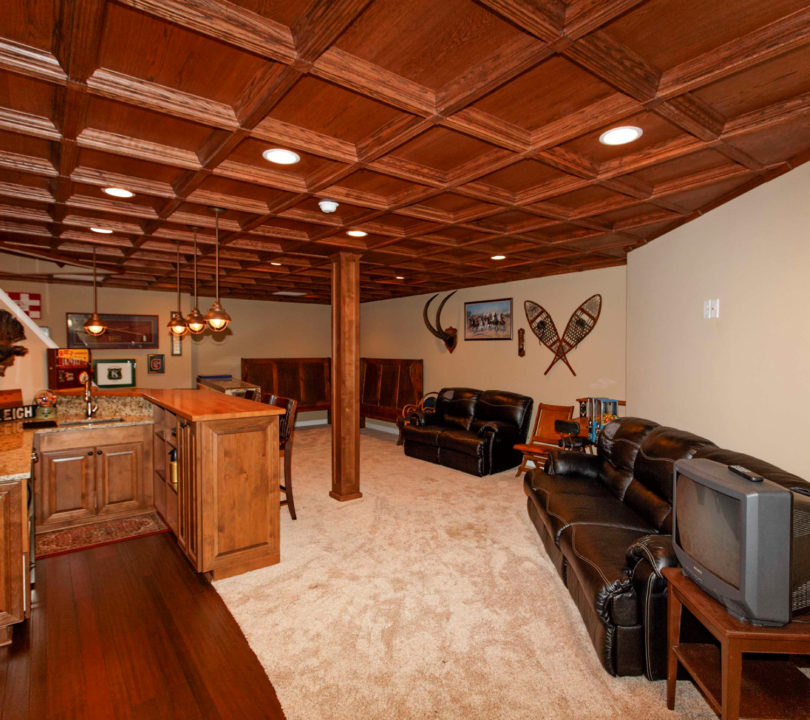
(128, 630)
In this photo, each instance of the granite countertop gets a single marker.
(16, 443)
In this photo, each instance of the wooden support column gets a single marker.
(345, 376)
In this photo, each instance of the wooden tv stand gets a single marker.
(731, 684)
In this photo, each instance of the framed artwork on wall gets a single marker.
(488, 320)
(156, 364)
(114, 373)
(124, 332)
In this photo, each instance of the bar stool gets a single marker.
(286, 431)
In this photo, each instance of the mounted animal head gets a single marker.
(449, 336)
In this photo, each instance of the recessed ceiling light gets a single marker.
(498, 257)
(280, 156)
(327, 206)
(289, 293)
(621, 135)
(399, 277)
(119, 192)
(357, 233)
(103, 231)
(277, 264)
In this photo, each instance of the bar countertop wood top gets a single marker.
(201, 405)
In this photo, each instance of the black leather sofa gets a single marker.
(470, 430)
(605, 521)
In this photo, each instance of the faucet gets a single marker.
(90, 408)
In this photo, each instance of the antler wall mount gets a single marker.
(580, 324)
(449, 336)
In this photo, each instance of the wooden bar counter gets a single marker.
(216, 478)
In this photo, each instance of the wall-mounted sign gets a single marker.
(12, 414)
(30, 303)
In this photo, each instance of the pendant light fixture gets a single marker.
(94, 326)
(216, 317)
(195, 319)
(177, 324)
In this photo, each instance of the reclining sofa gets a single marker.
(470, 430)
(606, 522)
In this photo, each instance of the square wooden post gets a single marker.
(345, 376)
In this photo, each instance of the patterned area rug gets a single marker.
(57, 542)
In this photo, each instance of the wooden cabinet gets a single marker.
(14, 585)
(387, 385)
(222, 500)
(84, 476)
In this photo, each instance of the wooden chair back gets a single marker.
(286, 424)
(544, 432)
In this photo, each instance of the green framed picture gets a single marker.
(114, 373)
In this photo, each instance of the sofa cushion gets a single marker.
(618, 444)
(463, 442)
(566, 509)
(427, 435)
(506, 407)
(456, 406)
(596, 555)
(650, 492)
(544, 486)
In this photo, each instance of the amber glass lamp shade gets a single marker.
(94, 326)
(177, 325)
(217, 318)
(195, 321)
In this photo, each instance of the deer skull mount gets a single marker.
(450, 336)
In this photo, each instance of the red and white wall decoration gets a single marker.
(30, 303)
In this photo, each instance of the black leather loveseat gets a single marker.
(470, 430)
(605, 521)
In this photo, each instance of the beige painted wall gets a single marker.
(394, 328)
(262, 329)
(741, 380)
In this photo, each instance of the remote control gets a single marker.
(802, 490)
(745, 472)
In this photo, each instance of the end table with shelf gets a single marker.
(734, 685)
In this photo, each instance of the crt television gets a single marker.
(747, 544)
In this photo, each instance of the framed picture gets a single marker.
(156, 364)
(114, 373)
(177, 345)
(488, 320)
(124, 332)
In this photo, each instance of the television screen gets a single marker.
(709, 528)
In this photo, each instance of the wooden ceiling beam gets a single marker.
(322, 24)
(28, 124)
(489, 128)
(226, 22)
(616, 64)
(772, 40)
(31, 62)
(544, 19)
(585, 16)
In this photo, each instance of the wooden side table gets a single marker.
(762, 688)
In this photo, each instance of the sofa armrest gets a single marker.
(656, 551)
(646, 558)
(420, 418)
(563, 462)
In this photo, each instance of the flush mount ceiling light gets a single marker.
(327, 206)
(94, 326)
(621, 135)
(119, 192)
(289, 293)
(103, 231)
(195, 319)
(177, 323)
(277, 264)
(399, 277)
(498, 257)
(216, 317)
(280, 156)
(356, 233)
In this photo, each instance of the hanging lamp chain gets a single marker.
(195, 267)
(95, 292)
(216, 221)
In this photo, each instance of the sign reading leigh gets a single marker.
(24, 412)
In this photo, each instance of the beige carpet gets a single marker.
(430, 597)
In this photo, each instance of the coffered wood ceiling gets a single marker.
(449, 131)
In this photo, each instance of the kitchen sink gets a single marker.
(91, 421)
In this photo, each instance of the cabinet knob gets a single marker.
(98, 452)
(89, 452)
(183, 424)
